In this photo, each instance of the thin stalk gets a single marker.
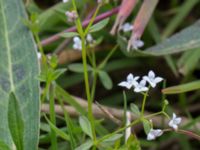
(117, 131)
(54, 145)
(86, 79)
(92, 20)
(103, 63)
(143, 103)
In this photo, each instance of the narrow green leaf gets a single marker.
(85, 146)
(57, 130)
(105, 80)
(78, 67)
(195, 85)
(19, 68)
(86, 126)
(147, 126)
(187, 39)
(69, 34)
(100, 25)
(133, 143)
(134, 109)
(15, 121)
(113, 138)
(70, 100)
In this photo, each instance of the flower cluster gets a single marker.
(141, 85)
(77, 45)
(173, 123)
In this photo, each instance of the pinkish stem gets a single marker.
(84, 24)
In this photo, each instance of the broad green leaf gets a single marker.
(69, 34)
(3, 146)
(15, 122)
(187, 39)
(98, 26)
(78, 67)
(18, 72)
(85, 125)
(187, 87)
(134, 109)
(85, 146)
(105, 80)
(146, 125)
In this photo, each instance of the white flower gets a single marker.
(141, 87)
(131, 81)
(89, 38)
(126, 27)
(72, 16)
(135, 43)
(77, 43)
(152, 79)
(174, 122)
(153, 134)
(65, 1)
(128, 122)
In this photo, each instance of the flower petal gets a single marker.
(151, 74)
(158, 79)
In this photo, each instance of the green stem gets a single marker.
(103, 63)
(92, 20)
(117, 131)
(143, 103)
(52, 117)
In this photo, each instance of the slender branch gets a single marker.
(84, 24)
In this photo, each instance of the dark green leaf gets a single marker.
(15, 122)
(105, 80)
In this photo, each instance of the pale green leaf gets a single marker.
(134, 109)
(187, 39)
(113, 138)
(69, 34)
(85, 146)
(98, 26)
(85, 126)
(78, 67)
(146, 125)
(105, 80)
(187, 87)
(18, 72)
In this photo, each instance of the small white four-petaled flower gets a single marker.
(77, 43)
(126, 27)
(153, 134)
(174, 122)
(152, 79)
(131, 81)
(141, 87)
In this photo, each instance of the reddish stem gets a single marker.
(84, 24)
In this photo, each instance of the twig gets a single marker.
(85, 23)
(117, 113)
